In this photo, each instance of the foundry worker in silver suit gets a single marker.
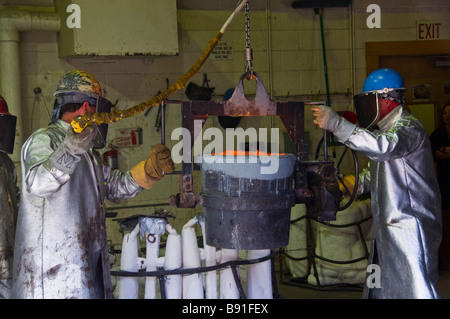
(404, 190)
(9, 198)
(61, 247)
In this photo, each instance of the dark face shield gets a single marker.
(366, 106)
(7, 133)
(102, 106)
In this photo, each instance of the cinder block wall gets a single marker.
(287, 55)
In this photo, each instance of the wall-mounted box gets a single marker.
(117, 27)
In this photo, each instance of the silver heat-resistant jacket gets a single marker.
(61, 247)
(405, 203)
(9, 198)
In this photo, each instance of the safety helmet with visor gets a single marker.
(383, 83)
(8, 124)
(79, 87)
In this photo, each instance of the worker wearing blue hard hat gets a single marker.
(402, 182)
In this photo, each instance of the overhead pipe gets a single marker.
(13, 20)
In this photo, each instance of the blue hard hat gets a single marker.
(383, 78)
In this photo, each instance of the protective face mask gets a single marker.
(7, 133)
(102, 106)
(367, 109)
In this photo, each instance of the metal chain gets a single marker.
(248, 49)
(247, 25)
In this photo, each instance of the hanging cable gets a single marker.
(79, 123)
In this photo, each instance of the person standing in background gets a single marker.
(440, 145)
(405, 194)
(9, 198)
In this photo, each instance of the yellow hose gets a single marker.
(79, 123)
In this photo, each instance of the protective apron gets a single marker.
(9, 198)
(61, 246)
(405, 203)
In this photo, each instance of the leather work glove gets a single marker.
(147, 173)
(159, 162)
(327, 118)
(67, 155)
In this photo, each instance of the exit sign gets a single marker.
(429, 30)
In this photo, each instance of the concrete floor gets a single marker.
(294, 291)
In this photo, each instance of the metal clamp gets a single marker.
(262, 105)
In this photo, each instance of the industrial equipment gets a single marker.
(313, 182)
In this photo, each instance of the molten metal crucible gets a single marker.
(244, 208)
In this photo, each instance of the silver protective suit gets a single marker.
(9, 198)
(61, 247)
(405, 203)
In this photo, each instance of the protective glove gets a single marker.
(148, 172)
(327, 118)
(67, 155)
(347, 184)
(159, 162)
